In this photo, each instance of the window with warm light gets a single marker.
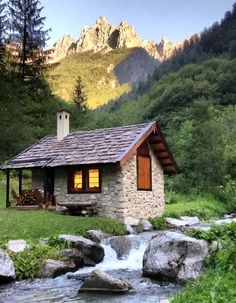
(93, 178)
(84, 180)
(78, 179)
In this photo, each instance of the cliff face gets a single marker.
(104, 37)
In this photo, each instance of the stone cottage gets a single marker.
(120, 170)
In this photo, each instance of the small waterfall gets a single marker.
(133, 262)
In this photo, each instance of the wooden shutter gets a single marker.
(144, 173)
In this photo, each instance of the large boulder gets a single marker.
(55, 268)
(90, 249)
(172, 256)
(97, 235)
(183, 221)
(102, 282)
(17, 246)
(7, 269)
(122, 246)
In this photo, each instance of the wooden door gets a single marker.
(49, 186)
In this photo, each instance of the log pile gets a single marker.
(33, 198)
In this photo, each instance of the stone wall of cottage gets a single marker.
(119, 197)
(139, 203)
(110, 201)
(38, 176)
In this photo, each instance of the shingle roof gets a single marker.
(108, 145)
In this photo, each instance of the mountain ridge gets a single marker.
(105, 37)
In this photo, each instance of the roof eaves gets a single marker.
(152, 126)
(168, 150)
(2, 167)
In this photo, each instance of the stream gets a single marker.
(65, 288)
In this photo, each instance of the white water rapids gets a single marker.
(133, 262)
(65, 288)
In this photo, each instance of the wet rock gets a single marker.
(131, 221)
(7, 269)
(224, 221)
(183, 221)
(17, 246)
(122, 246)
(105, 283)
(91, 250)
(97, 235)
(74, 255)
(55, 268)
(147, 226)
(172, 256)
(230, 216)
(130, 230)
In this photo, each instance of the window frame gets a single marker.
(85, 180)
(144, 152)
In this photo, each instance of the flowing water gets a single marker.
(65, 288)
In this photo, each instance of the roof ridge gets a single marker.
(106, 128)
(138, 138)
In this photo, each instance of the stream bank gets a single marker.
(65, 288)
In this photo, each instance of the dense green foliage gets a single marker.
(28, 263)
(218, 285)
(196, 109)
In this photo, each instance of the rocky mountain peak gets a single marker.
(103, 36)
(102, 20)
(63, 47)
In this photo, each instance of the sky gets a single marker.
(152, 19)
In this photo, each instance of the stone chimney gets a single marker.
(63, 124)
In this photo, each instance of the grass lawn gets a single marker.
(206, 207)
(32, 225)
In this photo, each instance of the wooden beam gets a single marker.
(8, 204)
(20, 181)
(166, 161)
(163, 158)
(158, 146)
(155, 139)
(162, 154)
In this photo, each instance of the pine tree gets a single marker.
(26, 26)
(79, 96)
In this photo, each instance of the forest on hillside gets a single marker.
(192, 96)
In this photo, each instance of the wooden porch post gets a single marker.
(8, 204)
(20, 181)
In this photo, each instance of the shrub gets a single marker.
(159, 223)
(227, 194)
(27, 263)
(216, 233)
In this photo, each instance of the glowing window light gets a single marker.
(93, 178)
(78, 180)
